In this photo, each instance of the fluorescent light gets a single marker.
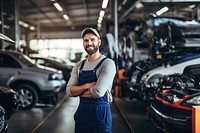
(32, 28)
(139, 5)
(58, 7)
(104, 4)
(23, 24)
(119, 8)
(164, 9)
(124, 2)
(192, 6)
(99, 25)
(26, 25)
(6, 26)
(101, 14)
(100, 19)
(158, 13)
(65, 17)
(161, 11)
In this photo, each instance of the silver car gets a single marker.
(32, 83)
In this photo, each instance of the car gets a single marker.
(8, 101)
(152, 71)
(53, 63)
(177, 66)
(32, 83)
(181, 32)
(65, 61)
(135, 73)
(171, 109)
(3, 124)
(8, 106)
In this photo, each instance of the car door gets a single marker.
(8, 68)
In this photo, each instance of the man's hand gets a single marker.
(87, 93)
(89, 85)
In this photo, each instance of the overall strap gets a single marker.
(99, 64)
(82, 64)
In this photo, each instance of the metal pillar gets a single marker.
(2, 23)
(198, 12)
(116, 27)
(17, 30)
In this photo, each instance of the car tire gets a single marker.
(26, 96)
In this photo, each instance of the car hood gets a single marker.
(41, 69)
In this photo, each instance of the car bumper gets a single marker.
(53, 88)
(172, 119)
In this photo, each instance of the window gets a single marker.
(7, 61)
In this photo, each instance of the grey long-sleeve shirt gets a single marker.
(105, 74)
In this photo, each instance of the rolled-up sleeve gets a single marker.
(106, 74)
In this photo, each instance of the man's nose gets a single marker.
(89, 42)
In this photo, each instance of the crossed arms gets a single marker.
(82, 90)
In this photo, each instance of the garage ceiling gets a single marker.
(49, 22)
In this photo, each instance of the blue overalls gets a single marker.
(93, 114)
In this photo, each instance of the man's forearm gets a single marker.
(79, 90)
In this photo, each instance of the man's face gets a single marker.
(91, 43)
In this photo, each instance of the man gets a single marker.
(91, 80)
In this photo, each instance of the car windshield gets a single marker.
(25, 59)
(177, 21)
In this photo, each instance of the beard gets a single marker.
(91, 51)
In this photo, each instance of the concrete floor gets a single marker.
(59, 119)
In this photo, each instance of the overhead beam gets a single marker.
(39, 9)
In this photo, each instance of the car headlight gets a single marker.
(192, 101)
(55, 76)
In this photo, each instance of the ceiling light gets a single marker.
(101, 14)
(104, 4)
(23, 24)
(32, 28)
(58, 7)
(192, 6)
(139, 5)
(26, 25)
(65, 17)
(6, 26)
(164, 9)
(158, 13)
(161, 11)
(100, 19)
(124, 2)
(119, 8)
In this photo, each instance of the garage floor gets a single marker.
(128, 117)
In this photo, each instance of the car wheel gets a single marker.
(27, 97)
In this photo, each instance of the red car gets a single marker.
(171, 109)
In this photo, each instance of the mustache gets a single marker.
(90, 46)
